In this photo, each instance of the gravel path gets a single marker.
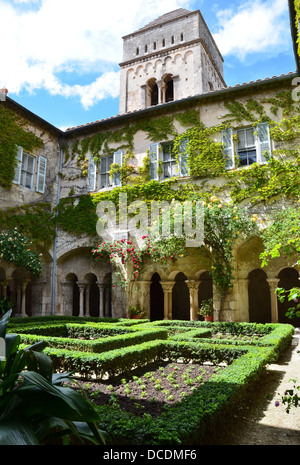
(258, 421)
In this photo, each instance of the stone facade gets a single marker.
(172, 58)
(72, 283)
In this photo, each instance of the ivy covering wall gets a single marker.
(13, 133)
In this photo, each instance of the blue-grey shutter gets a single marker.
(153, 155)
(19, 157)
(92, 175)
(118, 159)
(183, 156)
(41, 175)
(228, 150)
(264, 141)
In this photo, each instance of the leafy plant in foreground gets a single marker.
(35, 407)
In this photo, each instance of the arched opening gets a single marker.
(152, 92)
(180, 298)
(156, 299)
(74, 293)
(288, 278)
(205, 289)
(168, 89)
(92, 297)
(259, 297)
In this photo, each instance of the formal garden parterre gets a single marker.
(162, 382)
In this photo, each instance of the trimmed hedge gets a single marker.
(187, 421)
(142, 343)
(98, 345)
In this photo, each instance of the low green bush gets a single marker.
(98, 345)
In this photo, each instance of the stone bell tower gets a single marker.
(171, 58)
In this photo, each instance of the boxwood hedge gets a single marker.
(116, 348)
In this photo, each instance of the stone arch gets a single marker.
(152, 92)
(92, 297)
(180, 298)
(288, 278)
(158, 65)
(168, 88)
(177, 58)
(139, 69)
(259, 297)
(187, 56)
(71, 298)
(156, 298)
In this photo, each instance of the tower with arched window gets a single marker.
(171, 58)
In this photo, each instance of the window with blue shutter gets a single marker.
(154, 159)
(246, 146)
(92, 170)
(105, 164)
(41, 175)
(19, 157)
(183, 156)
(118, 159)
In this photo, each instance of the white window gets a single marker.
(253, 145)
(24, 171)
(105, 163)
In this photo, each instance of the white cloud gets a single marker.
(255, 27)
(45, 39)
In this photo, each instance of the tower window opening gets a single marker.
(137, 51)
(146, 48)
(163, 43)
(154, 46)
(181, 37)
(172, 40)
(168, 88)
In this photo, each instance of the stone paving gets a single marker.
(259, 421)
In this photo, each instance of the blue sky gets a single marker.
(60, 58)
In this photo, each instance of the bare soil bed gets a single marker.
(152, 389)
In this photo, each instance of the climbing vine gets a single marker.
(13, 133)
(16, 248)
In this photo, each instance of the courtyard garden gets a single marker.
(156, 383)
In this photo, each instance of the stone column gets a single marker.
(87, 300)
(167, 288)
(67, 297)
(273, 283)
(5, 284)
(23, 304)
(243, 299)
(159, 88)
(101, 307)
(194, 304)
(81, 297)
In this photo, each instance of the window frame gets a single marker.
(263, 143)
(105, 173)
(21, 169)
